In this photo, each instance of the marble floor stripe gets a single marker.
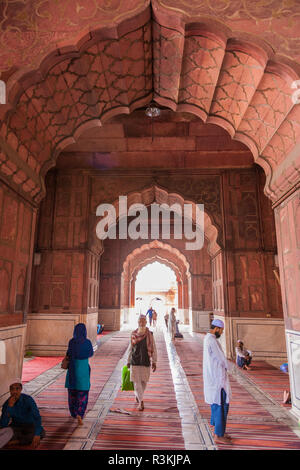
(195, 428)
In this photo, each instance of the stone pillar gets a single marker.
(187, 307)
(17, 229)
(251, 293)
(218, 285)
(287, 217)
(65, 288)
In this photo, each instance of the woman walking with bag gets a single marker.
(78, 376)
(142, 355)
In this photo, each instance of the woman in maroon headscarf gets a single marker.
(142, 355)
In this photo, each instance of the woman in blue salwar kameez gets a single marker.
(78, 376)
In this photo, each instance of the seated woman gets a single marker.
(21, 415)
(243, 356)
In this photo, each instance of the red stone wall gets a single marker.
(244, 279)
(116, 252)
(17, 228)
(288, 230)
(253, 290)
(67, 278)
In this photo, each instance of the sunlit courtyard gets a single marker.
(155, 287)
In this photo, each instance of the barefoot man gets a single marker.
(216, 382)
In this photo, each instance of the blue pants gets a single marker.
(219, 415)
(241, 361)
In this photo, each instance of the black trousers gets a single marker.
(24, 433)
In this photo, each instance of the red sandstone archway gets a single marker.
(180, 285)
(144, 263)
(156, 194)
(200, 66)
(166, 254)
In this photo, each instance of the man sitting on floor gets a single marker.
(20, 420)
(243, 356)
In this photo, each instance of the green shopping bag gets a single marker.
(126, 384)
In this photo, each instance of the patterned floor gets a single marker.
(53, 400)
(157, 427)
(250, 424)
(256, 420)
(33, 367)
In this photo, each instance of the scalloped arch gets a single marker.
(156, 194)
(223, 77)
(147, 248)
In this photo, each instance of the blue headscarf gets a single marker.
(79, 348)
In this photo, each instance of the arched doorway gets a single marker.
(155, 286)
(169, 259)
(46, 113)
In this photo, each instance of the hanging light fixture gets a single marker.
(152, 111)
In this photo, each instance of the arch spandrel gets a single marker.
(156, 194)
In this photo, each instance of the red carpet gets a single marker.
(36, 366)
(250, 425)
(269, 379)
(104, 333)
(157, 427)
(53, 401)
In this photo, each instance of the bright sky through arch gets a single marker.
(155, 277)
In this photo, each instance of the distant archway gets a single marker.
(162, 253)
(155, 286)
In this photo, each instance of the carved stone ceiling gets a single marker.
(275, 22)
(88, 63)
(31, 29)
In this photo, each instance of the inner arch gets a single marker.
(156, 287)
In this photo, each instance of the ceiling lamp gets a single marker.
(152, 110)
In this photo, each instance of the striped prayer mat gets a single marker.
(269, 379)
(37, 365)
(158, 426)
(53, 400)
(251, 426)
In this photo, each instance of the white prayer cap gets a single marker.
(239, 341)
(218, 323)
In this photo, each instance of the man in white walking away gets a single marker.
(216, 382)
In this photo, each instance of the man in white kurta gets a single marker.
(216, 382)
